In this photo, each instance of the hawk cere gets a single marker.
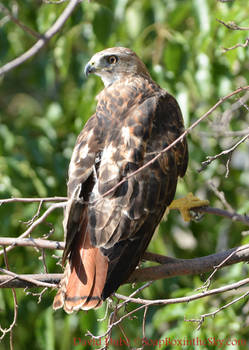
(107, 234)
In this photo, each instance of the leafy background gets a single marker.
(44, 104)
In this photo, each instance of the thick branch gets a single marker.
(171, 267)
(179, 267)
(43, 40)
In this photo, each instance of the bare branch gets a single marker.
(13, 280)
(32, 200)
(202, 317)
(228, 151)
(170, 267)
(145, 303)
(10, 329)
(32, 242)
(38, 221)
(232, 25)
(246, 43)
(20, 24)
(221, 196)
(220, 212)
(187, 298)
(43, 40)
(215, 133)
(181, 267)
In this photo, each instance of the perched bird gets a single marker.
(107, 229)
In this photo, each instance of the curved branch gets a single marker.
(43, 40)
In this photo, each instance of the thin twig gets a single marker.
(210, 159)
(202, 317)
(246, 43)
(221, 196)
(186, 299)
(145, 303)
(43, 40)
(30, 222)
(38, 221)
(10, 329)
(28, 30)
(144, 321)
(32, 200)
(223, 133)
(231, 25)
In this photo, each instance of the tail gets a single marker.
(84, 277)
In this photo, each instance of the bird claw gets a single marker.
(185, 204)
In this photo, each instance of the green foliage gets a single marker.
(44, 104)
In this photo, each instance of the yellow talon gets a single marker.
(185, 204)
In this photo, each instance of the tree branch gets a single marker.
(28, 30)
(37, 222)
(220, 212)
(187, 298)
(32, 200)
(170, 266)
(231, 25)
(210, 159)
(43, 40)
(246, 43)
(181, 267)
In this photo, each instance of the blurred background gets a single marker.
(45, 102)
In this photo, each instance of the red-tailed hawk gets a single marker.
(106, 235)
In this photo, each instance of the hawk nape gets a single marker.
(106, 235)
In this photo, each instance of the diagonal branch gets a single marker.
(28, 30)
(43, 40)
(210, 159)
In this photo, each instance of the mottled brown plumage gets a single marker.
(106, 236)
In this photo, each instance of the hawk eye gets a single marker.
(112, 59)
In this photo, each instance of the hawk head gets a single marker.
(114, 64)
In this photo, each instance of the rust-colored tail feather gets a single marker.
(84, 277)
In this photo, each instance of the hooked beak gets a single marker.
(89, 68)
